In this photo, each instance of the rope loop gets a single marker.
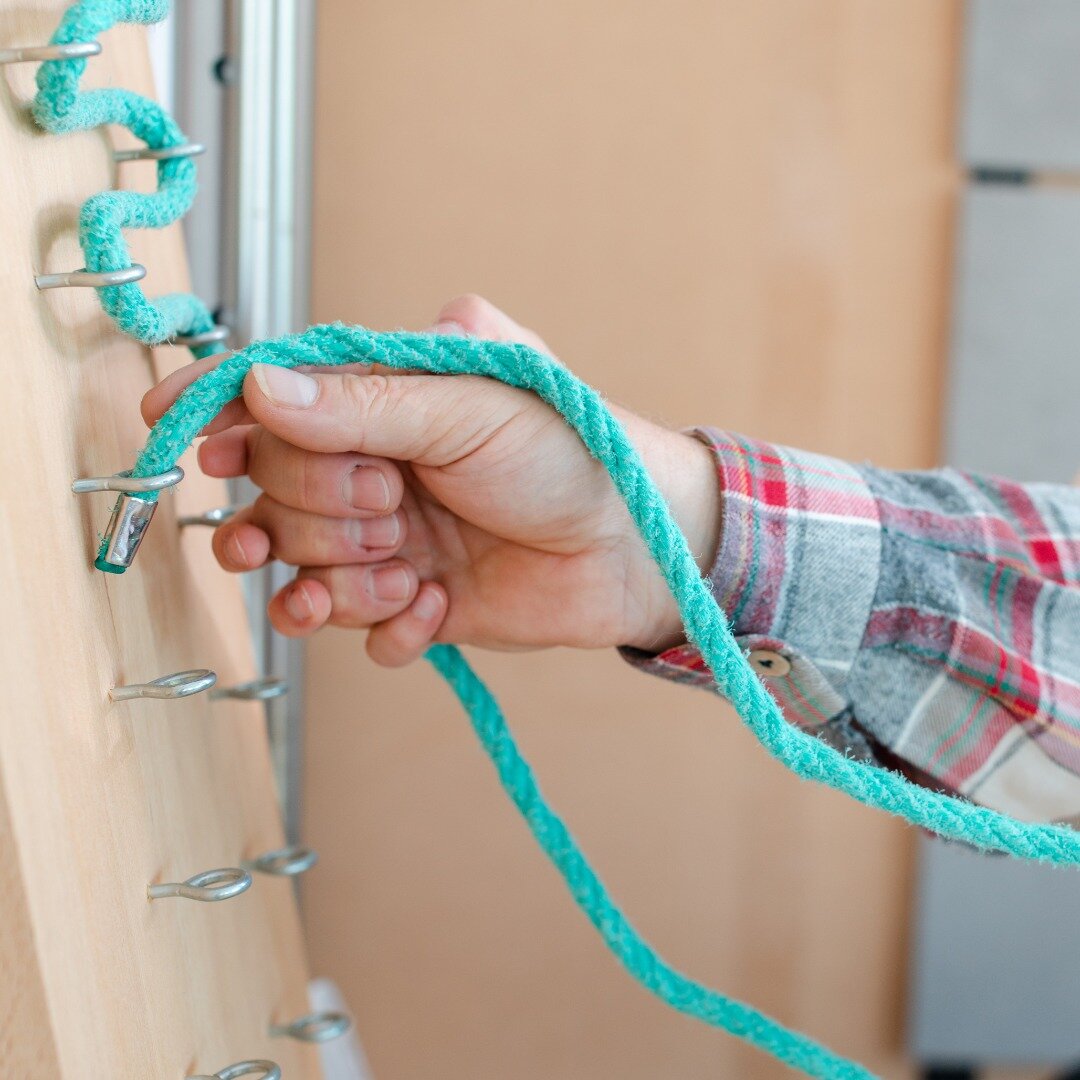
(61, 107)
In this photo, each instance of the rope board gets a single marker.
(99, 799)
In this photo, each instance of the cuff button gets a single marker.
(769, 664)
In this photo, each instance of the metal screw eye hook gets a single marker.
(207, 337)
(316, 1027)
(160, 153)
(131, 515)
(72, 50)
(256, 690)
(128, 484)
(213, 518)
(91, 279)
(178, 685)
(284, 862)
(208, 886)
(267, 1070)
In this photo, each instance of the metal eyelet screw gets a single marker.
(169, 687)
(255, 690)
(211, 518)
(91, 279)
(268, 1070)
(318, 1027)
(131, 515)
(284, 862)
(207, 337)
(207, 887)
(72, 50)
(160, 153)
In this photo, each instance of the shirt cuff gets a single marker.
(800, 547)
(798, 560)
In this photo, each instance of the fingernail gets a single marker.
(298, 604)
(389, 583)
(366, 489)
(285, 387)
(237, 552)
(428, 604)
(380, 532)
(449, 328)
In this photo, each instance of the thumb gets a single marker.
(429, 419)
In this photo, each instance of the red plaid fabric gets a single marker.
(926, 620)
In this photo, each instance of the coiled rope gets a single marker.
(706, 627)
(61, 107)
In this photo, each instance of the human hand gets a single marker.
(445, 508)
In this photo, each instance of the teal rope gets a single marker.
(60, 107)
(706, 627)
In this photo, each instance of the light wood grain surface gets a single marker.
(97, 799)
(732, 213)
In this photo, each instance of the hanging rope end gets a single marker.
(130, 519)
(101, 563)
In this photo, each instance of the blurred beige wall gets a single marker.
(734, 213)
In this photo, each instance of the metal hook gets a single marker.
(125, 482)
(269, 1070)
(160, 153)
(208, 886)
(131, 515)
(179, 684)
(256, 690)
(213, 518)
(91, 279)
(73, 50)
(284, 862)
(207, 337)
(318, 1027)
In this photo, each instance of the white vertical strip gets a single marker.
(161, 38)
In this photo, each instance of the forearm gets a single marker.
(928, 619)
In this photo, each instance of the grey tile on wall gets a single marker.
(1014, 389)
(1021, 91)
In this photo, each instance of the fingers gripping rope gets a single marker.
(61, 107)
(706, 626)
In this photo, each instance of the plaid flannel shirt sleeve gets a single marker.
(927, 621)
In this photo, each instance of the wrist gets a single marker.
(684, 470)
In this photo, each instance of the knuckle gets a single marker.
(262, 514)
(366, 397)
(470, 310)
(307, 481)
(256, 442)
(361, 392)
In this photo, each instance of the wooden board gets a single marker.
(736, 213)
(97, 799)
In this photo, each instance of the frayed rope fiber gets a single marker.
(61, 107)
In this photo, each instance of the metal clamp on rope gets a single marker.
(131, 515)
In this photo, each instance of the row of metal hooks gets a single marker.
(130, 518)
